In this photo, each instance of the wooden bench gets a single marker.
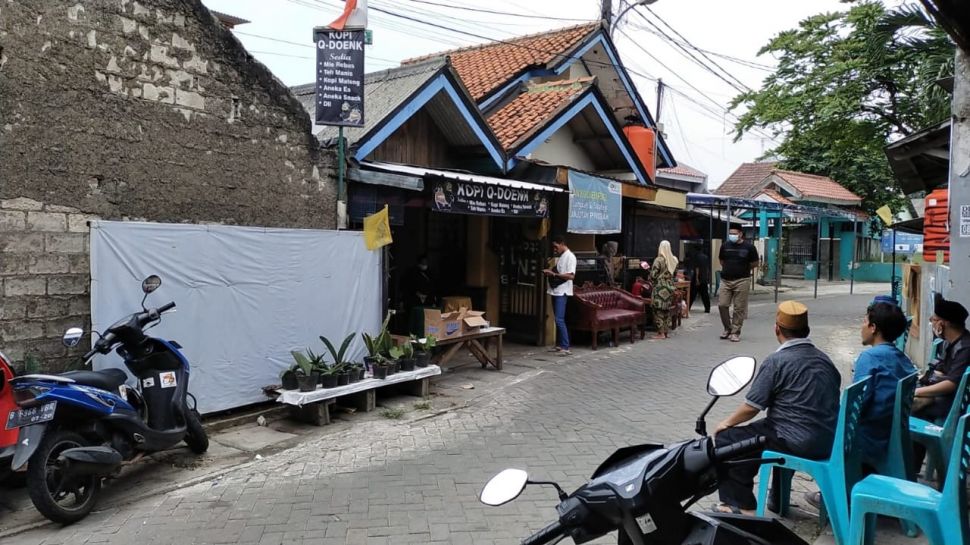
(474, 344)
(314, 407)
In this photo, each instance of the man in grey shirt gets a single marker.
(798, 385)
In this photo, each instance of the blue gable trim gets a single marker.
(627, 84)
(440, 83)
(559, 121)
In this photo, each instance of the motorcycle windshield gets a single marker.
(626, 476)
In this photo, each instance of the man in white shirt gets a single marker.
(561, 287)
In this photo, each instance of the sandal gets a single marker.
(564, 353)
(735, 338)
(725, 335)
(726, 508)
(555, 349)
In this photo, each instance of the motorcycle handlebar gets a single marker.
(167, 307)
(546, 535)
(741, 447)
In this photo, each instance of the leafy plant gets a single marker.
(396, 353)
(423, 406)
(338, 355)
(393, 413)
(846, 84)
(430, 342)
(380, 344)
(305, 364)
(407, 350)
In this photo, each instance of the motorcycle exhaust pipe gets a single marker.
(86, 461)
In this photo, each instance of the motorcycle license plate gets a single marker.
(32, 415)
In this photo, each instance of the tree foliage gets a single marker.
(848, 83)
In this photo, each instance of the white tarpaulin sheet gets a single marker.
(245, 297)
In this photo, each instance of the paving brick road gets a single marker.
(415, 481)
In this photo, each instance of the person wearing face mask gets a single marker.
(738, 258)
(885, 366)
(419, 291)
(937, 389)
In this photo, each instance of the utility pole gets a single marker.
(606, 12)
(660, 96)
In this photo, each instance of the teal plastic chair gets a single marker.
(898, 461)
(834, 476)
(941, 515)
(938, 438)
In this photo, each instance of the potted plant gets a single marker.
(407, 357)
(306, 376)
(422, 352)
(329, 376)
(288, 378)
(343, 374)
(379, 345)
(344, 369)
(356, 372)
(380, 367)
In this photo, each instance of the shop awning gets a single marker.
(413, 171)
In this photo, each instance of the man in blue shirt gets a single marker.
(885, 366)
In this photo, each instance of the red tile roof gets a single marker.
(487, 67)
(528, 111)
(744, 179)
(778, 197)
(682, 170)
(814, 187)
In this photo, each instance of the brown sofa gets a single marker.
(597, 307)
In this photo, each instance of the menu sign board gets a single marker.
(340, 77)
(461, 197)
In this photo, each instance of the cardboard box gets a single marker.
(473, 321)
(442, 325)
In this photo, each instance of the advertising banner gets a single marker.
(461, 197)
(595, 204)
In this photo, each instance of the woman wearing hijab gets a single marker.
(662, 278)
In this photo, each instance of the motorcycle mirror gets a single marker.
(72, 337)
(151, 284)
(731, 376)
(504, 487)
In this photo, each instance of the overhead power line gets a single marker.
(695, 48)
(742, 88)
(494, 12)
(742, 62)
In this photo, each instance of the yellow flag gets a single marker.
(377, 229)
(886, 215)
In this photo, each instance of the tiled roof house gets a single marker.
(753, 180)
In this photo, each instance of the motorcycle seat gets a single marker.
(108, 379)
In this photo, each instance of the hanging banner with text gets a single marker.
(595, 204)
(479, 199)
(340, 77)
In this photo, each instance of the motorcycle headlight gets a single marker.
(27, 397)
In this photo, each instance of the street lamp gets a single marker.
(623, 12)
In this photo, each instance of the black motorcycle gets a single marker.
(644, 491)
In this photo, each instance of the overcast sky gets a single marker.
(693, 113)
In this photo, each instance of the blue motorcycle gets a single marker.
(79, 427)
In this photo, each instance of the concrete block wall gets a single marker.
(148, 110)
(45, 279)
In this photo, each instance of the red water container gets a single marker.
(936, 226)
(644, 142)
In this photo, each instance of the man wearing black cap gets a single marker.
(935, 395)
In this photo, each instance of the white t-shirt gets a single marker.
(565, 265)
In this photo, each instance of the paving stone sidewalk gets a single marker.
(415, 480)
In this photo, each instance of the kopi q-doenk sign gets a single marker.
(340, 77)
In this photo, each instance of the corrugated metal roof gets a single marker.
(460, 176)
(384, 91)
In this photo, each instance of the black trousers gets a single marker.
(737, 482)
(699, 288)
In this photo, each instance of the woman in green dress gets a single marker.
(662, 297)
